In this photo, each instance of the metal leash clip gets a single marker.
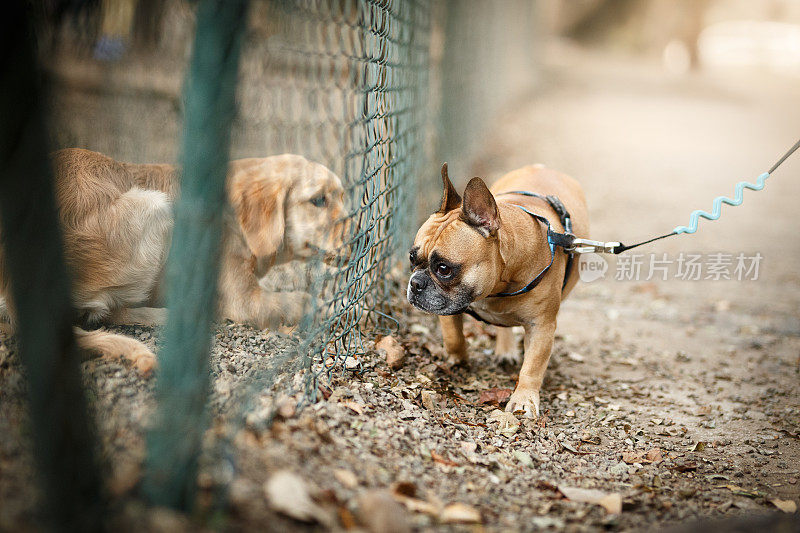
(586, 246)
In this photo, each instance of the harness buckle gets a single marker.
(586, 246)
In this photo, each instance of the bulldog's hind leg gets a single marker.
(265, 310)
(114, 345)
(505, 349)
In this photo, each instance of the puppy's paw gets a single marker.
(143, 359)
(295, 305)
(526, 400)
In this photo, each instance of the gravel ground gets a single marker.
(634, 410)
(675, 400)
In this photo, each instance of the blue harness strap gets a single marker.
(554, 239)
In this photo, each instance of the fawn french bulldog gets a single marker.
(491, 255)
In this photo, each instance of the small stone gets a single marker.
(460, 513)
(287, 494)
(524, 458)
(346, 478)
(378, 512)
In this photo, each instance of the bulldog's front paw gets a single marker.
(524, 400)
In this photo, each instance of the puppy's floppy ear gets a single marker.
(450, 198)
(259, 208)
(480, 209)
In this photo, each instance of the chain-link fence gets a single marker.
(346, 84)
(342, 83)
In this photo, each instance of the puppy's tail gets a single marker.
(114, 345)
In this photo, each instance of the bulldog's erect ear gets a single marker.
(259, 208)
(450, 198)
(480, 209)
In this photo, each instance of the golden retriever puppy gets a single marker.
(117, 223)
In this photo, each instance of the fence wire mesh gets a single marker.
(342, 83)
(346, 84)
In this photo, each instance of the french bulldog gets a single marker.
(473, 253)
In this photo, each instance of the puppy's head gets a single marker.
(456, 255)
(286, 203)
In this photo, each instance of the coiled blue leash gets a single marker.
(585, 245)
(719, 200)
(740, 187)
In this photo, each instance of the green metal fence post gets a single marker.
(192, 269)
(63, 440)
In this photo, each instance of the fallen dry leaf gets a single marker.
(787, 506)
(610, 501)
(429, 399)
(632, 457)
(507, 423)
(353, 406)
(460, 513)
(740, 491)
(442, 459)
(650, 456)
(653, 455)
(287, 494)
(494, 396)
(392, 350)
(325, 391)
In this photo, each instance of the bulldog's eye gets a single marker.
(412, 256)
(319, 201)
(443, 271)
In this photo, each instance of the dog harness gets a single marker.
(554, 239)
(565, 240)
